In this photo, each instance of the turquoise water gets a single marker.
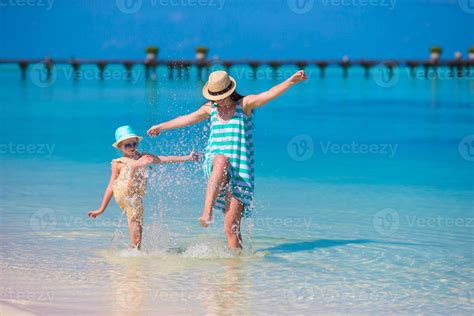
(364, 188)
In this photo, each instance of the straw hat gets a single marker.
(123, 133)
(219, 86)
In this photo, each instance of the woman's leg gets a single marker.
(220, 168)
(232, 219)
(135, 229)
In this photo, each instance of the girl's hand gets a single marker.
(155, 130)
(94, 214)
(194, 156)
(298, 77)
(143, 161)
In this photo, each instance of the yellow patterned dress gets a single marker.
(130, 201)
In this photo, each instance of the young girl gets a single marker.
(228, 161)
(128, 180)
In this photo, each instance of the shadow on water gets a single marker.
(325, 243)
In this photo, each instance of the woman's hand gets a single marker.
(299, 76)
(94, 214)
(143, 161)
(155, 130)
(194, 156)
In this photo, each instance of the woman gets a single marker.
(228, 161)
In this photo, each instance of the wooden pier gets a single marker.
(181, 68)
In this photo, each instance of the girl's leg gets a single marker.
(232, 219)
(135, 229)
(220, 167)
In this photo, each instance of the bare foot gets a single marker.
(205, 220)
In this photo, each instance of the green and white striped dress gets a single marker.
(234, 140)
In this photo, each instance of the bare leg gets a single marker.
(135, 230)
(220, 167)
(232, 221)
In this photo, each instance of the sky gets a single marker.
(235, 29)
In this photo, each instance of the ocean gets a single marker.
(364, 197)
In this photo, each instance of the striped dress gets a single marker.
(234, 140)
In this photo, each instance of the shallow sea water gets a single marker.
(339, 227)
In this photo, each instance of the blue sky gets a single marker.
(263, 29)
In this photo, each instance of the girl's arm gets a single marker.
(108, 192)
(251, 102)
(192, 118)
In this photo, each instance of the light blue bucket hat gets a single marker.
(123, 133)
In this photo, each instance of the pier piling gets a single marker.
(23, 67)
(274, 65)
(367, 64)
(75, 68)
(412, 65)
(254, 65)
(322, 68)
(128, 68)
(345, 64)
(101, 65)
(181, 68)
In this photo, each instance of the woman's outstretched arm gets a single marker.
(193, 156)
(185, 120)
(253, 101)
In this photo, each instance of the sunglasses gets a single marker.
(130, 145)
